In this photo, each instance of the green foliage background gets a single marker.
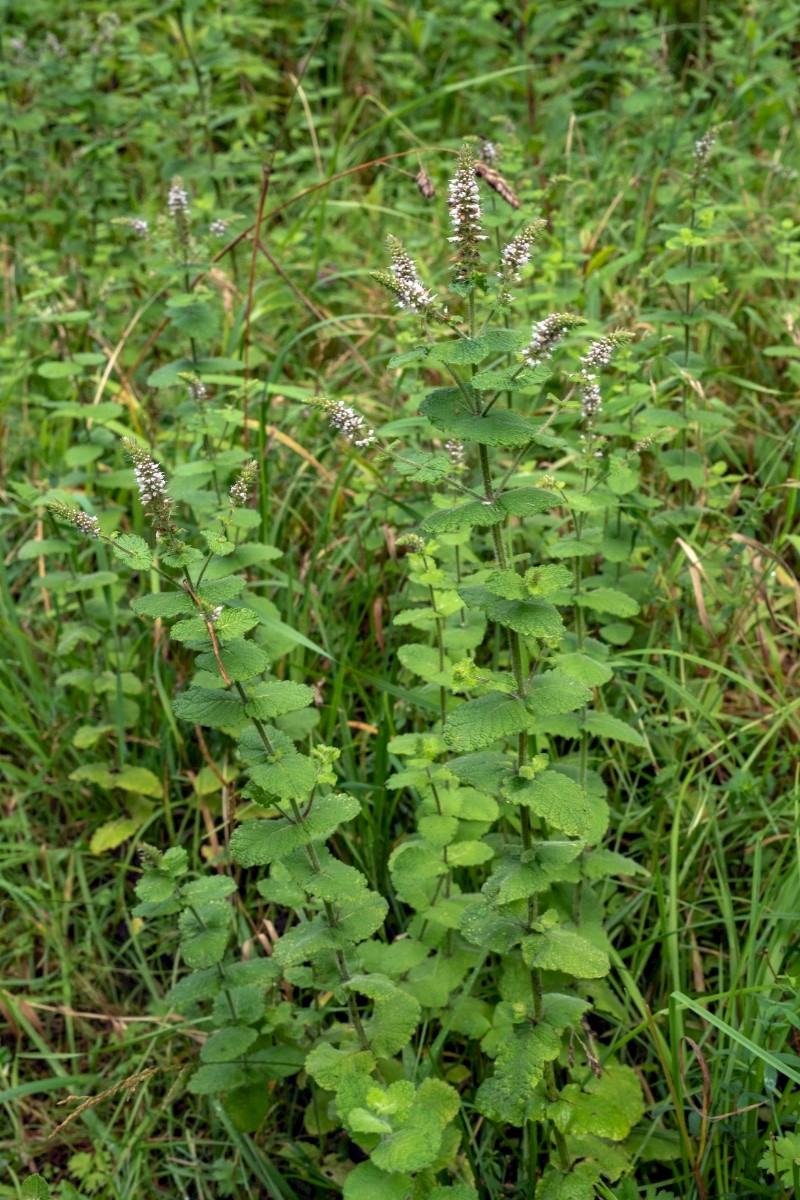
(597, 108)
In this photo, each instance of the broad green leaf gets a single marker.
(163, 604)
(527, 501)
(563, 950)
(554, 692)
(424, 661)
(484, 926)
(608, 600)
(231, 624)
(244, 1004)
(519, 878)
(468, 853)
(449, 411)
(113, 833)
(470, 351)
(368, 1182)
(603, 725)
(305, 943)
(586, 670)
(213, 1078)
(256, 843)
(511, 1094)
(204, 933)
(557, 1185)
(290, 776)
(278, 697)
(139, 780)
(601, 863)
(132, 550)
(241, 660)
(328, 1066)
(395, 1017)
(220, 591)
(560, 801)
(478, 723)
(607, 1107)
(213, 887)
(423, 466)
(35, 1188)
(214, 708)
(228, 1045)
(477, 514)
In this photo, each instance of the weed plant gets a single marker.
(505, 902)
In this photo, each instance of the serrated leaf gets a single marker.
(213, 1078)
(139, 780)
(367, 1182)
(290, 776)
(478, 723)
(228, 1045)
(605, 726)
(586, 670)
(241, 660)
(162, 604)
(554, 692)
(566, 951)
(560, 801)
(470, 351)
(531, 618)
(511, 1094)
(204, 934)
(601, 863)
(556, 1185)
(132, 550)
(278, 697)
(214, 708)
(220, 591)
(423, 466)
(608, 600)
(527, 501)
(328, 1067)
(475, 514)
(483, 925)
(424, 661)
(113, 833)
(395, 1017)
(517, 879)
(256, 843)
(607, 1107)
(232, 623)
(35, 1187)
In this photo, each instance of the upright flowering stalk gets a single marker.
(88, 525)
(515, 256)
(598, 355)
(405, 283)
(242, 485)
(152, 486)
(703, 148)
(546, 334)
(178, 205)
(346, 421)
(465, 214)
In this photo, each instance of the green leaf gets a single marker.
(586, 670)
(607, 1107)
(563, 950)
(241, 660)
(475, 514)
(531, 618)
(424, 661)
(527, 501)
(603, 725)
(113, 833)
(290, 776)
(328, 1066)
(423, 466)
(554, 692)
(555, 1185)
(781, 1159)
(204, 933)
(228, 1045)
(608, 600)
(511, 1095)
(162, 604)
(483, 925)
(276, 698)
(232, 623)
(35, 1187)
(478, 723)
(519, 879)
(395, 1017)
(139, 780)
(368, 1182)
(470, 351)
(214, 708)
(601, 863)
(132, 550)
(560, 801)
(213, 1078)
(256, 843)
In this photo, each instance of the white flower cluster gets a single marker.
(456, 451)
(218, 228)
(702, 150)
(140, 227)
(545, 335)
(178, 199)
(240, 489)
(489, 152)
(516, 255)
(88, 525)
(465, 214)
(408, 288)
(150, 480)
(197, 389)
(350, 424)
(215, 614)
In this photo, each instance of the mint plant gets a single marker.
(348, 1049)
(511, 589)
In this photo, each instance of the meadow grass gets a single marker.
(598, 110)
